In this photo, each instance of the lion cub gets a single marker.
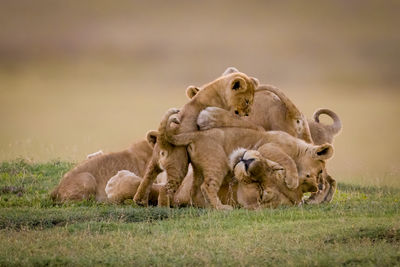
(89, 178)
(233, 92)
(261, 182)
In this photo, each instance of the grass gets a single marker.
(360, 227)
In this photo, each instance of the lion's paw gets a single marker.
(210, 117)
(291, 183)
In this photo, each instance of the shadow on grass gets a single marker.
(371, 233)
(344, 187)
(48, 218)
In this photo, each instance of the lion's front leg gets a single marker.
(331, 190)
(274, 153)
(142, 194)
(325, 195)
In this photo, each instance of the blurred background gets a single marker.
(79, 76)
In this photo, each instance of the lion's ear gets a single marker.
(255, 81)
(229, 71)
(238, 84)
(152, 137)
(191, 91)
(322, 152)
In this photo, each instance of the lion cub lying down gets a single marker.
(259, 188)
(90, 177)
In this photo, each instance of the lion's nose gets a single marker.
(320, 186)
(247, 163)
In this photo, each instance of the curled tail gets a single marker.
(336, 126)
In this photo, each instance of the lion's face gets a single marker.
(312, 166)
(240, 93)
(250, 166)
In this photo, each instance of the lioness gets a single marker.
(209, 151)
(258, 188)
(90, 177)
(233, 92)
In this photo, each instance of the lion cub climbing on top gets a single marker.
(233, 92)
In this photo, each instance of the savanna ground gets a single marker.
(360, 227)
(78, 77)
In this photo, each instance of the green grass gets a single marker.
(360, 227)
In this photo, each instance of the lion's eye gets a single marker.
(162, 153)
(298, 121)
(247, 101)
(236, 112)
(308, 176)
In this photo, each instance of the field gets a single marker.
(360, 227)
(76, 77)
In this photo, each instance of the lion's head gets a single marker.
(237, 91)
(312, 165)
(250, 166)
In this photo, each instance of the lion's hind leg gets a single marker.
(215, 169)
(176, 167)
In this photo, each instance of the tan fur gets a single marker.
(90, 177)
(95, 154)
(322, 133)
(209, 149)
(261, 182)
(233, 92)
(124, 185)
(272, 110)
(277, 114)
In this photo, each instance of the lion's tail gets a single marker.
(336, 126)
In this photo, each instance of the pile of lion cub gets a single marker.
(235, 143)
